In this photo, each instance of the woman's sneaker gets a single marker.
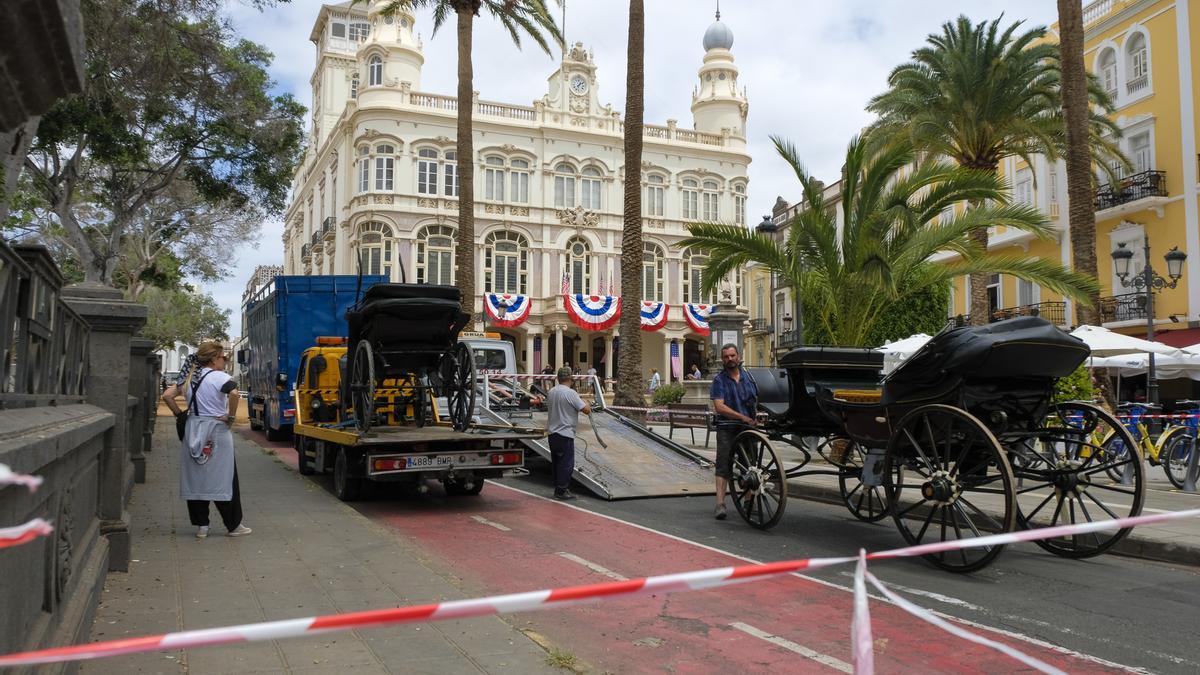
(241, 530)
(202, 532)
(719, 512)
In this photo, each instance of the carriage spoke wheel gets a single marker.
(758, 488)
(460, 386)
(362, 386)
(948, 479)
(1064, 480)
(866, 502)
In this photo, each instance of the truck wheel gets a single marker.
(302, 444)
(275, 434)
(458, 490)
(346, 486)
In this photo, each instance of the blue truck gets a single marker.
(283, 319)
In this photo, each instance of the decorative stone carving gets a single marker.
(65, 528)
(493, 208)
(382, 199)
(406, 86)
(427, 203)
(518, 210)
(578, 122)
(449, 203)
(579, 104)
(369, 133)
(654, 224)
(578, 217)
(578, 53)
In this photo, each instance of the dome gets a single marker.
(718, 36)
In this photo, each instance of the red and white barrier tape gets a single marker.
(10, 477)
(861, 642)
(15, 536)
(530, 601)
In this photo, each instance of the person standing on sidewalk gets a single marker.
(563, 405)
(208, 472)
(735, 398)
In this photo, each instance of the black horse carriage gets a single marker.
(961, 440)
(405, 354)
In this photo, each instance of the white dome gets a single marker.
(718, 36)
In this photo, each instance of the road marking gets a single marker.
(967, 622)
(823, 659)
(946, 599)
(491, 523)
(593, 566)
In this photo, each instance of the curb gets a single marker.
(1132, 546)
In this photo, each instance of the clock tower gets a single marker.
(572, 88)
(717, 104)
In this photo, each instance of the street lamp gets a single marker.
(1149, 281)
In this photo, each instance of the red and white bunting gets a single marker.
(21, 534)
(696, 316)
(593, 312)
(506, 310)
(654, 315)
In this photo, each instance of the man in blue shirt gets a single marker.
(735, 398)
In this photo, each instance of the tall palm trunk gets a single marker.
(1082, 213)
(464, 250)
(629, 384)
(980, 313)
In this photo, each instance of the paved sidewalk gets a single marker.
(309, 554)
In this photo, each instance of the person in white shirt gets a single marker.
(208, 471)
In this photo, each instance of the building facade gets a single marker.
(379, 184)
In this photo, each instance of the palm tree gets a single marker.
(629, 376)
(531, 17)
(891, 203)
(1080, 192)
(978, 95)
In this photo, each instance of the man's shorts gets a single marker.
(724, 468)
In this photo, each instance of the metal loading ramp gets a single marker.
(636, 463)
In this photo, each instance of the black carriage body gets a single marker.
(410, 326)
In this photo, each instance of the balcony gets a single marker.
(305, 253)
(789, 339)
(760, 326)
(1130, 189)
(1126, 307)
(1054, 312)
(327, 228)
(957, 321)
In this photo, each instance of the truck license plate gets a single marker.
(422, 461)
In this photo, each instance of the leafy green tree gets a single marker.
(173, 97)
(977, 95)
(183, 315)
(529, 17)
(892, 197)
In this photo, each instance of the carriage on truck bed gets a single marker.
(961, 440)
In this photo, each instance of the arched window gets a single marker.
(694, 261)
(354, 85)
(505, 263)
(653, 266)
(385, 167)
(435, 255)
(375, 71)
(375, 249)
(564, 186)
(590, 187)
(364, 168)
(518, 178)
(1138, 64)
(690, 206)
(739, 204)
(1107, 67)
(712, 201)
(427, 171)
(579, 264)
(493, 179)
(450, 174)
(655, 190)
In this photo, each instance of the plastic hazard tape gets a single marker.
(15, 536)
(537, 600)
(10, 477)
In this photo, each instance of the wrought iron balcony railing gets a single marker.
(1054, 312)
(760, 326)
(1132, 188)
(1126, 307)
(789, 339)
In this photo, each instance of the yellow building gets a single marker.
(1143, 53)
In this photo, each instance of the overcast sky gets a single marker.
(809, 67)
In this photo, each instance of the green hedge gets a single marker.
(669, 393)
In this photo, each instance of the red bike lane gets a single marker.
(508, 541)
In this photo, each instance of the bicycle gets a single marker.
(1170, 450)
(1175, 457)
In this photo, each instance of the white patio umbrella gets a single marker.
(1166, 367)
(1105, 342)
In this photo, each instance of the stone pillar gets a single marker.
(529, 352)
(727, 323)
(113, 320)
(608, 353)
(558, 347)
(666, 369)
(141, 388)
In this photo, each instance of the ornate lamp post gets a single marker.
(1149, 281)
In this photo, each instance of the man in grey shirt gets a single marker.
(564, 406)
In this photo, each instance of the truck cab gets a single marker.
(493, 355)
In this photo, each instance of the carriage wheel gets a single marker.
(460, 386)
(758, 488)
(948, 479)
(1062, 478)
(362, 386)
(867, 503)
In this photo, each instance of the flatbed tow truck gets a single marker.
(415, 445)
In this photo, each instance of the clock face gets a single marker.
(579, 85)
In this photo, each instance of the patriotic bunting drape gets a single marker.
(696, 316)
(654, 315)
(506, 310)
(593, 312)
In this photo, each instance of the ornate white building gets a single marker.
(380, 180)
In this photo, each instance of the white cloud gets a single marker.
(809, 66)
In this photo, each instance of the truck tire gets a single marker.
(275, 434)
(255, 424)
(346, 486)
(303, 465)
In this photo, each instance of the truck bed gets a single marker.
(386, 437)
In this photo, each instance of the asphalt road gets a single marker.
(1136, 613)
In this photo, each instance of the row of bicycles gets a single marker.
(1170, 449)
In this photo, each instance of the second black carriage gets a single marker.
(961, 440)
